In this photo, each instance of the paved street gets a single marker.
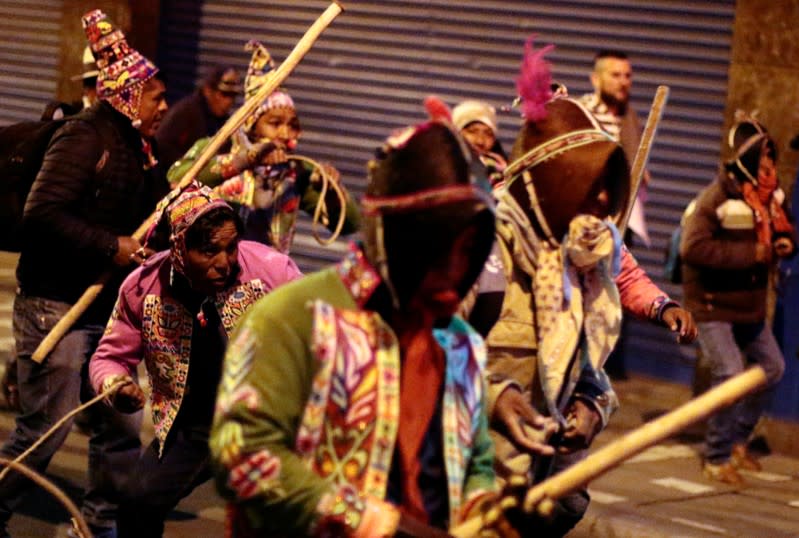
(660, 493)
(200, 515)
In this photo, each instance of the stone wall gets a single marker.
(764, 74)
(137, 18)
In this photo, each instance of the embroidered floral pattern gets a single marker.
(232, 303)
(238, 361)
(111, 320)
(258, 474)
(228, 443)
(346, 506)
(166, 333)
(357, 275)
(349, 426)
(246, 395)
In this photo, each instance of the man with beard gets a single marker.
(98, 181)
(612, 79)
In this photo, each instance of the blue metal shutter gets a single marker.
(371, 69)
(29, 54)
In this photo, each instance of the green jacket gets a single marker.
(307, 411)
(287, 190)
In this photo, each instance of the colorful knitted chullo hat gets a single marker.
(182, 213)
(123, 70)
(261, 65)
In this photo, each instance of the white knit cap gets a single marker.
(470, 111)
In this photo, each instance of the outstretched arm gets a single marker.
(642, 298)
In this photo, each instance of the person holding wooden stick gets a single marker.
(557, 313)
(175, 313)
(98, 180)
(261, 176)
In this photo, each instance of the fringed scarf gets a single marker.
(770, 218)
(573, 294)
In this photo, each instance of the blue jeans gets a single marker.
(48, 391)
(728, 348)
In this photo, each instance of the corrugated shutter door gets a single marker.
(371, 69)
(177, 45)
(29, 53)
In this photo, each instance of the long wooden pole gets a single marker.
(542, 495)
(231, 125)
(642, 154)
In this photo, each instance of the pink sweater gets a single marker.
(148, 323)
(639, 295)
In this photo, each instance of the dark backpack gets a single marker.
(22, 149)
(672, 270)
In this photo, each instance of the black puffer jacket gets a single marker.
(91, 188)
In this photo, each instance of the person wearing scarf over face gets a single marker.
(175, 313)
(737, 233)
(352, 401)
(553, 313)
(258, 176)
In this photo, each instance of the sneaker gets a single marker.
(743, 460)
(723, 472)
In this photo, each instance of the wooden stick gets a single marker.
(235, 121)
(77, 519)
(642, 155)
(633, 443)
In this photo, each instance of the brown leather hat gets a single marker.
(558, 161)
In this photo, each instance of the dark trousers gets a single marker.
(50, 390)
(157, 485)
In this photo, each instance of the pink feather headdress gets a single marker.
(534, 84)
(437, 109)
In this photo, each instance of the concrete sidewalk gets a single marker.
(662, 493)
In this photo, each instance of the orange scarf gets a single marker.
(767, 221)
(422, 374)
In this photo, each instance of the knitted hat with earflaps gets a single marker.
(123, 70)
(261, 65)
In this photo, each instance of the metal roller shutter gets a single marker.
(29, 53)
(371, 69)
